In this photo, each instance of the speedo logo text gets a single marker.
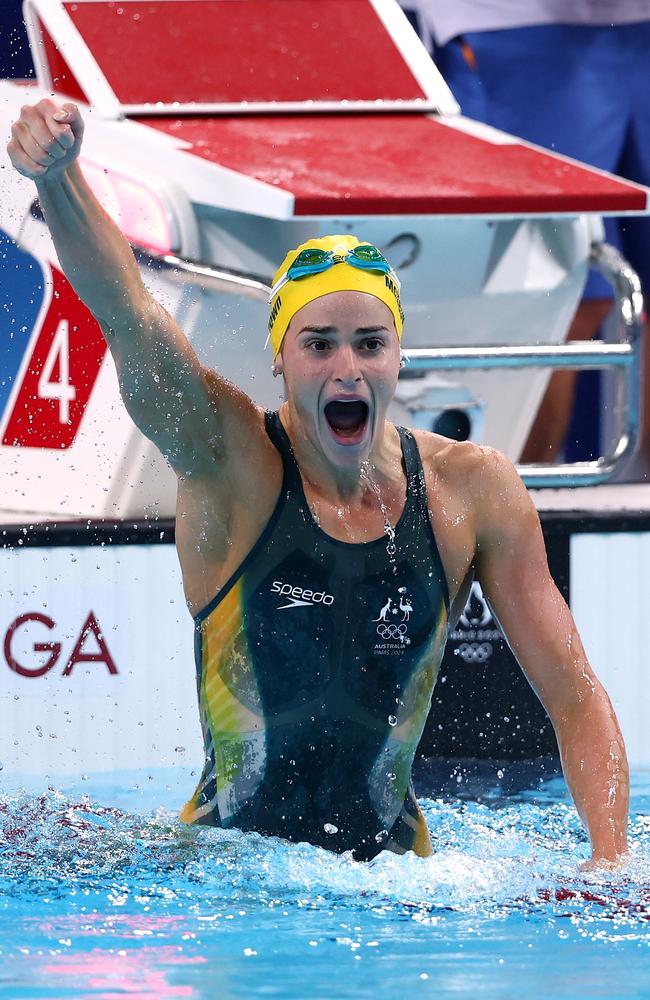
(299, 597)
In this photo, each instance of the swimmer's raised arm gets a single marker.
(181, 406)
(512, 567)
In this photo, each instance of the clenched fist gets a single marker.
(46, 139)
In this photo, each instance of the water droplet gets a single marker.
(330, 828)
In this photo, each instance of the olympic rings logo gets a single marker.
(475, 652)
(391, 631)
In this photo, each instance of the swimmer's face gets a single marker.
(340, 359)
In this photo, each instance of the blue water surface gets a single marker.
(104, 894)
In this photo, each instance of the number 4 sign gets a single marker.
(60, 389)
(66, 355)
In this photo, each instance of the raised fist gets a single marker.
(46, 138)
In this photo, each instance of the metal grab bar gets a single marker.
(624, 356)
(194, 272)
(572, 355)
(219, 279)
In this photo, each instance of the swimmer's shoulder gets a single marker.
(242, 466)
(479, 472)
(448, 458)
(241, 440)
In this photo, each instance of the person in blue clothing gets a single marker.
(573, 76)
(324, 550)
(15, 56)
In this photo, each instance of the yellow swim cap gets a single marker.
(339, 277)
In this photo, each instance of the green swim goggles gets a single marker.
(313, 261)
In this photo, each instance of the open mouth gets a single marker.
(347, 418)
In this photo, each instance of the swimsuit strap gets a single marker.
(417, 488)
(280, 438)
(416, 484)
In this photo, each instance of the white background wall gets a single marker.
(143, 716)
(610, 599)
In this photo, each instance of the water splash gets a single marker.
(87, 883)
(498, 854)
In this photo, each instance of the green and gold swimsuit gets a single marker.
(315, 668)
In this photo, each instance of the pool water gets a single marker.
(104, 894)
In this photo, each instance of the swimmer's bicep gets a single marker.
(183, 407)
(540, 630)
(512, 567)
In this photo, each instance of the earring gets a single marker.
(276, 371)
(402, 359)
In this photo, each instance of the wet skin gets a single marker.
(229, 473)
